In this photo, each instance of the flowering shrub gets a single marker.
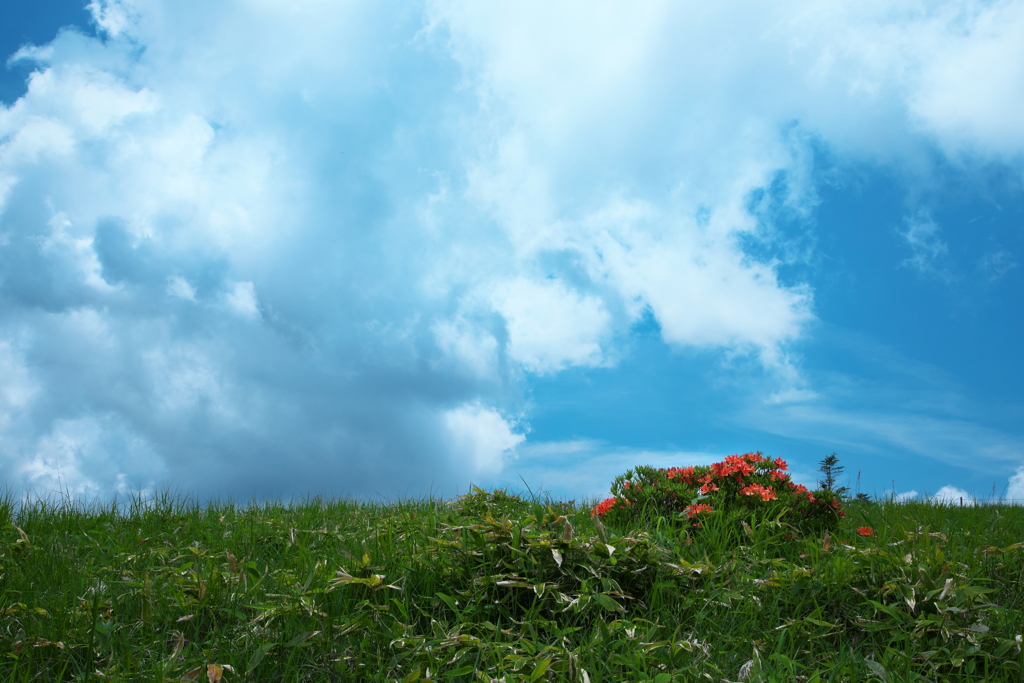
(740, 484)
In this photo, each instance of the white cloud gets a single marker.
(19, 387)
(923, 236)
(180, 287)
(405, 210)
(951, 495)
(241, 299)
(188, 380)
(792, 395)
(551, 327)
(88, 100)
(468, 346)
(484, 434)
(997, 264)
(36, 138)
(698, 284)
(74, 459)
(949, 71)
(563, 177)
(1015, 489)
(971, 57)
(114, 17)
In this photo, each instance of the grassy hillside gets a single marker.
(491, 587)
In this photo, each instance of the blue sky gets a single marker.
(262, 248)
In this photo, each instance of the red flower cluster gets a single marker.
(765, 492)
(740, 465)
(744, 480)
(865, 531)
(684, 474)
(604, 506)
(698, 508)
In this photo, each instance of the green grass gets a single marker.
(496, 588)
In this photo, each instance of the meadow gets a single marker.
(497, 587)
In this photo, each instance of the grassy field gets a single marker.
(492, 587)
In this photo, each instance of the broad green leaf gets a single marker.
(539, 670)
(608, 602)
(401, 608)
(448, 600)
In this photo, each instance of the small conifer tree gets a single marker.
(831, 470)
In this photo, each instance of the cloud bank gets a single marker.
(266, 248)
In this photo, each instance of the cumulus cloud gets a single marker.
(1015, 488)
(267, 248)
(550, 326)
(951, 495)
(969, 88)
(484, 434)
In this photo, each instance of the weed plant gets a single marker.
(496, 587)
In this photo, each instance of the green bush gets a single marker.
(499, 503)
(739, 488)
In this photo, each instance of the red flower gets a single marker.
(708, 488)
(604, 506)
(781, 464)
(765, 492)
(731, 465)
(683, 473)
(865, 531)
(698, 508)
